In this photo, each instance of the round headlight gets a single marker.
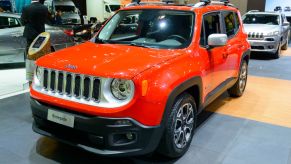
(122, 89)
(38, 73)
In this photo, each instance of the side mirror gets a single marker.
(217, 40)
(286, 24)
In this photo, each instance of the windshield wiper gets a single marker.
(98, 40)
(140, 45)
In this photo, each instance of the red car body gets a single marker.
(159, 75)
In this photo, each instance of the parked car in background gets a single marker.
(278, 8)
(102, 9)
(13, 44)
(70, 13)
(267, 31)
(287, 9)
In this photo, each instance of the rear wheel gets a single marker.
(239, 87)
(180, 127)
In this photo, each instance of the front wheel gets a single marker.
(285, 46)
(277, 54)
(180, 127)
(239, 87)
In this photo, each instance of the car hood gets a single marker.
(261, 28)
(106, 60)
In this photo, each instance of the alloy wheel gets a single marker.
(243, 77)
(183, 125)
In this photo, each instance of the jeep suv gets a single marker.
(267, 32)
(140, 83)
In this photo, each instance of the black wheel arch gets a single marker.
(193, 86)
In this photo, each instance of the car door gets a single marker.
(215, 56)
(234, 46)
(12, 44)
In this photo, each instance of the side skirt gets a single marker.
(213, 95)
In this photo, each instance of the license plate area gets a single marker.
(61, 118)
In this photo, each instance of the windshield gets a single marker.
(149, 28)
(65, 9)
(261, 19)
(114, 7)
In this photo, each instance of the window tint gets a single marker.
(267, 19)
(229, 22)
(150, 27)
(8, 22)
(107, 9)
(4, 23)
(211, 26)
(13, 22)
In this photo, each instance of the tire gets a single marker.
(285, 46)
(277, 54)
(238, 88)
(180, 127)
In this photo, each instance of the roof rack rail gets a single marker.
(252, 11)
(209, 2)
(138, 3)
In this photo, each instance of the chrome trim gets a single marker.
(49, 80)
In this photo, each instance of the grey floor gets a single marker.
(219, 139)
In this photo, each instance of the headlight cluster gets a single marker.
(274, 33)
(122, 89)
(37, 75)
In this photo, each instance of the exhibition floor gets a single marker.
(255, 128)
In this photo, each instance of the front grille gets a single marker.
(70, 84)
(255, 36)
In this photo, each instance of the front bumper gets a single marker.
(98, 134)
(264, 45)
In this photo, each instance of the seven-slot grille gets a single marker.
(71, 84)
(256, 35)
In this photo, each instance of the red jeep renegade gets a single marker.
(140, 83)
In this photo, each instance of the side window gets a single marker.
(4, 23)
(237, 23)
(229, 23)
(211, 25)
(107, 8)
(13, 22)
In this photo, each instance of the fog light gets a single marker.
(129, 136)
(123, 122)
